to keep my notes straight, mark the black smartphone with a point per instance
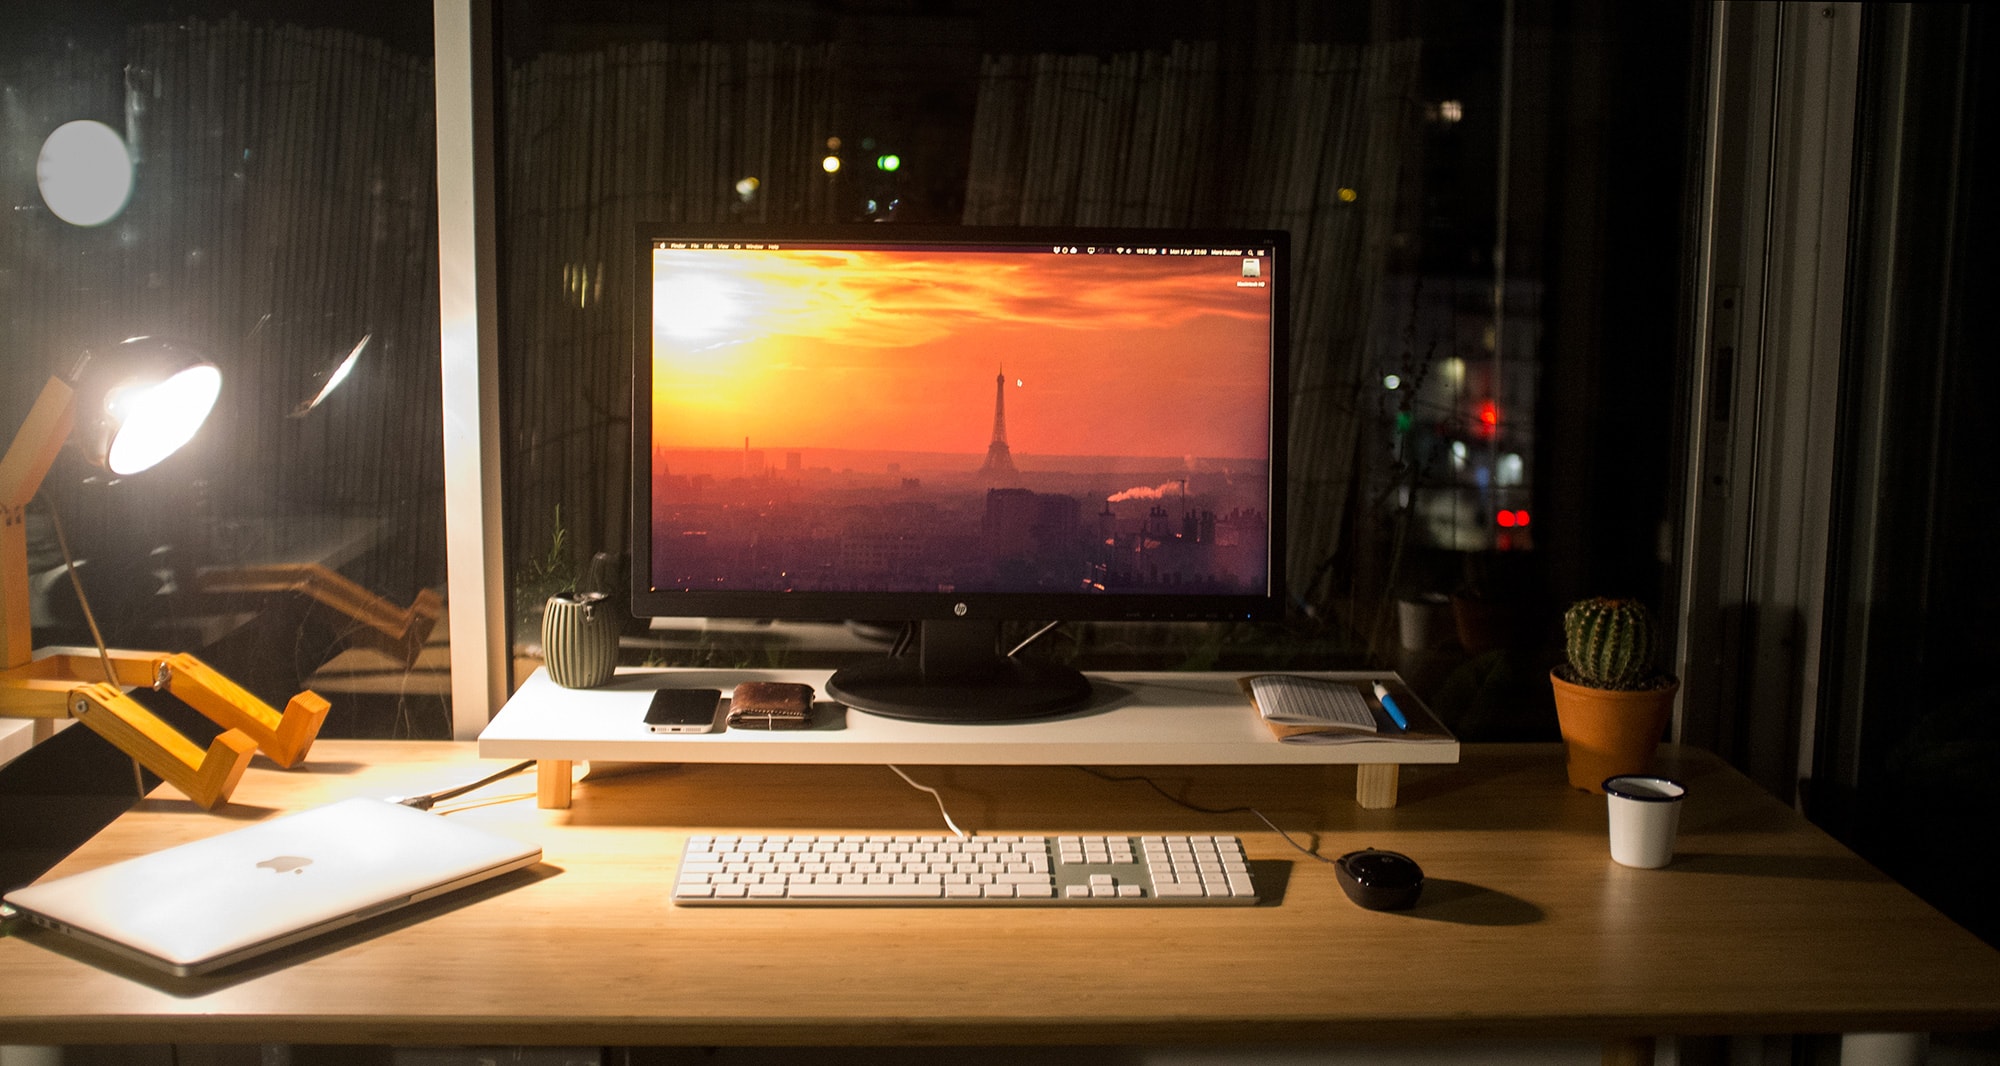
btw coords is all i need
(684, 710)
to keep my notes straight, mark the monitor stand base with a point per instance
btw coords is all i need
(957, 675)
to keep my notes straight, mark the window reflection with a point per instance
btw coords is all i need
(257, 184)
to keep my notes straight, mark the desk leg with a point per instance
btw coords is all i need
(1375, 784)
(1628, 1051)
(552, 783)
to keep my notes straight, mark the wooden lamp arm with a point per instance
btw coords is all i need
(284, 737)
(22, 468)
(207, 778)
(56, 686)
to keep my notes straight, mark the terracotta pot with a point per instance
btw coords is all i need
(1610, 732)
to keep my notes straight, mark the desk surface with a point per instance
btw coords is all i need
(1763, 923)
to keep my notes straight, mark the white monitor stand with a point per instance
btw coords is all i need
(1162, 718)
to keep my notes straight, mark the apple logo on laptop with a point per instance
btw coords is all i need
(286, 864)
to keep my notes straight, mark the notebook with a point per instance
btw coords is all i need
(217, 901)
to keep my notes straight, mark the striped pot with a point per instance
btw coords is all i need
(579, 640)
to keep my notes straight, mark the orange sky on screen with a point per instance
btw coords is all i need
(898, 350)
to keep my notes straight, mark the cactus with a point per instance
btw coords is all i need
(1610, 643)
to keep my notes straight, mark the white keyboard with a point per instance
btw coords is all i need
(945, 870)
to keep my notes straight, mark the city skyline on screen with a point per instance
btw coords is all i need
(942, 420)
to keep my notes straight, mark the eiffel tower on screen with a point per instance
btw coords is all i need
(999, 459)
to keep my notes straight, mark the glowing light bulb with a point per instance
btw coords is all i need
(156, 419)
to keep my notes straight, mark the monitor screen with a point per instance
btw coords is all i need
(963, 424)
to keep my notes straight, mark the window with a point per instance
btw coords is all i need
(1494, 426)
(267, 173)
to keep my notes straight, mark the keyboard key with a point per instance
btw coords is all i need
(849, 891)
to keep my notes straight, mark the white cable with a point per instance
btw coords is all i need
(1033, 637)
(934, 795)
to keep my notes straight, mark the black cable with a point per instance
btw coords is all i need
(1199, 809)
(431, 799)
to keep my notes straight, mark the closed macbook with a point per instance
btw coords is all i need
(207, 904)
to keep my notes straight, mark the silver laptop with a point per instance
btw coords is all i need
(206, 904)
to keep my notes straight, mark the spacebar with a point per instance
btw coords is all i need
(840, 891)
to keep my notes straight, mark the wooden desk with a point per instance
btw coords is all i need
(1527, 929)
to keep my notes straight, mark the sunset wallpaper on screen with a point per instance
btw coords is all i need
(880, 418)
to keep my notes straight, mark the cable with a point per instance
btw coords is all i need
(430, 799)
(89, 618)
(1199, 809)
(1035, 636)
(962, 834)
(97, 635)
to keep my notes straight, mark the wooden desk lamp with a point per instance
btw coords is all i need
(128, 436)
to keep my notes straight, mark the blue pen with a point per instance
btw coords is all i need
(1389, 704)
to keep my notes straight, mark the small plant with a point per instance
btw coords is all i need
(1610, 644)
(545, 575)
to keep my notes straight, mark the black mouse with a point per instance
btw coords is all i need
(1380, 880)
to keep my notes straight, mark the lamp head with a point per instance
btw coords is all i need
(140, 400)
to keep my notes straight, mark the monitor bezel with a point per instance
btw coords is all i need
(912, 606)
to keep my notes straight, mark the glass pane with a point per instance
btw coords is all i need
(255, 186)
(1911, 725)
(1387, 142)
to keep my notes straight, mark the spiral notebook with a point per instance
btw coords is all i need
(224, 899)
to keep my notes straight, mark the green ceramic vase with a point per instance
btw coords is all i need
(580, 639)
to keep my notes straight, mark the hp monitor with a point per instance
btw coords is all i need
(959, 427)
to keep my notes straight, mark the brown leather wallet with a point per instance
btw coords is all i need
(770, 705)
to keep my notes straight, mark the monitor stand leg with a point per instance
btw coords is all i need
(1375, 785)
(552, 778)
